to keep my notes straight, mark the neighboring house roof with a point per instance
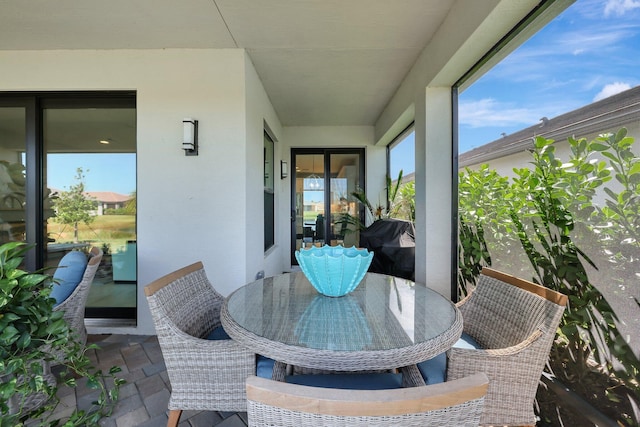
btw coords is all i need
(108, 196)
(614, 111)
(101, 196)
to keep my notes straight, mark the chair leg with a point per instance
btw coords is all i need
(174, 417)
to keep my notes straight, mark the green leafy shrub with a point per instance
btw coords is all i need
(31, 334)
(546, 217)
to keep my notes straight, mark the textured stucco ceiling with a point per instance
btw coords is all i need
(322, 62)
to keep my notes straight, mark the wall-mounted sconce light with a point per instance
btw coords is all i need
(190, 137)
(284, 169)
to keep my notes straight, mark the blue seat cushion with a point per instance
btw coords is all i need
(467, 341)
(264, 365)
(434, 370)
(377, 381)
(68, 275)
(218, 333)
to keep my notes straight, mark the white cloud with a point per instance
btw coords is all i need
(611, 89)
(619, 7)
(488, 112)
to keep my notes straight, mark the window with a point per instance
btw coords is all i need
(402, 154)
(269, 202)
(584, 227)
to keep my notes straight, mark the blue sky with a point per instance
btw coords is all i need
(103, 172)
(589, 52)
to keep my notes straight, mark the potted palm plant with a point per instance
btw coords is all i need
(31, 333)
(391, 239)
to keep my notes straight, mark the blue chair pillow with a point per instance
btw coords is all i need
(264, 365)
(375, 381)
(434, 370)
(68, 275)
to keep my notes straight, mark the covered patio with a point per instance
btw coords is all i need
(321, 74)
(316, 74)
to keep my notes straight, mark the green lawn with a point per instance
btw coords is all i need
(310, 216)
(113, 230)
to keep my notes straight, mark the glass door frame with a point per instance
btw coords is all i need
(35, 104)
(101, 100)
(326, 153)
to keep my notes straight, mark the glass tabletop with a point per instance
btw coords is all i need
(383, 313)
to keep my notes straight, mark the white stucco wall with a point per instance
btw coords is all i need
(189, 208)
(505, 165)
(208, 207)
(260, 114)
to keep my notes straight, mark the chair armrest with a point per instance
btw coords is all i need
(494, 362)
(463, 301)
(176, 345)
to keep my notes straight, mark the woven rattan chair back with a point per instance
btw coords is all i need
(184, 299)
(515, 323)
(504, 310)
(204, 374)
(456, 403)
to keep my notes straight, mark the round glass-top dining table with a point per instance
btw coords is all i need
(385, 323)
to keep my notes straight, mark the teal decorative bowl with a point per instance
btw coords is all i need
(334, 270)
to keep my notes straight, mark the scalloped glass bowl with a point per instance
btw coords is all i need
(334, 270)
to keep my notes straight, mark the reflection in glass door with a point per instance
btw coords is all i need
(309, 199)
(322, 183)
(345, 179)
(67, 182)
(12, 174)
(90, 170)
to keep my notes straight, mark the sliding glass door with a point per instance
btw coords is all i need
(91, 174)
(322, 183)
(68, 182)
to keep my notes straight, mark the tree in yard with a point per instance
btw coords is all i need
(131, 205)
(74, 206)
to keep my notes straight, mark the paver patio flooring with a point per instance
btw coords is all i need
(143, 399)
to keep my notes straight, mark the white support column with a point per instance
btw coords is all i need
(433, 136)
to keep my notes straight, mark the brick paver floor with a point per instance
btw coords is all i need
(144, 397)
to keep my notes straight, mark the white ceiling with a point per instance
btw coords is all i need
(322, 62)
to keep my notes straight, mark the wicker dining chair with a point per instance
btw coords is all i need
(277, 404)
(74, 305)
(513, 323)
(205, 373)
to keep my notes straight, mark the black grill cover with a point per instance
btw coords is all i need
(394, 246)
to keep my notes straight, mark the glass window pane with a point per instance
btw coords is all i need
(565, 213)
(402, 155)
(309, 199)
(90, 170)
(345, 177)
(12, 174)
(269, 197)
